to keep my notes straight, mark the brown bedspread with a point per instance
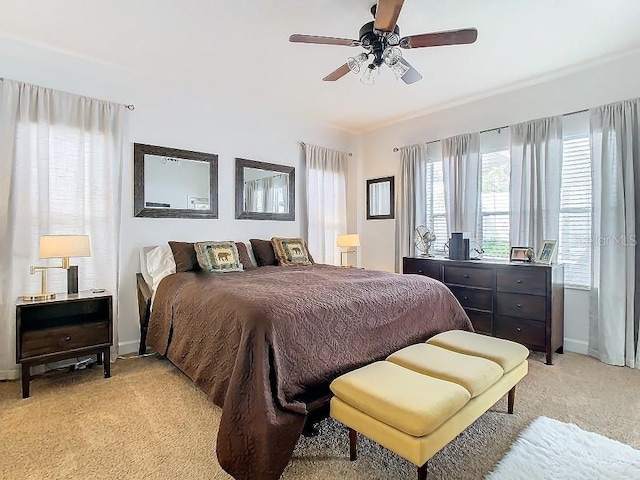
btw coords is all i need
(257, 341)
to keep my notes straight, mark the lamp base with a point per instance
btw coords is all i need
(38, 297)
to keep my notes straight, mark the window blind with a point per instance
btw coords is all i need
(493, 228)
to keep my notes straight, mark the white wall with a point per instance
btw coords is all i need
(178, 116)
(605, 82)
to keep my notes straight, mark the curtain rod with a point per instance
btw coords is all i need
(395, 149)
(129, 106)
(302, 144)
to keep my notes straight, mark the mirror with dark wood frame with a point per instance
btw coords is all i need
(380, 198)
(265, 191)
(173, 183)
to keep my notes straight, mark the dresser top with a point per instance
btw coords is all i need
(489, 262)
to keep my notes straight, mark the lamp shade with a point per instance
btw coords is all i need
(349, 240)
(64, 246)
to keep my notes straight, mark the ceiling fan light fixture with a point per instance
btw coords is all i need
(399, 69)
(355, 63)
(393, 39)
(369, 75)
(391, 55)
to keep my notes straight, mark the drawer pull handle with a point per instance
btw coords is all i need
(420, 272)
(519, 329)
(67, 338)
(466, 276)
(519, 305)
(465, 298)
(518, 281)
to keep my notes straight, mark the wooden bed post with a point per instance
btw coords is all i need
(144, 310)
(353, 444)
(511, 398)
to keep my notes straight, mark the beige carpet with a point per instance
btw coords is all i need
(148, 421)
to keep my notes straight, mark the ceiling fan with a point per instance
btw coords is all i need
(382, 42)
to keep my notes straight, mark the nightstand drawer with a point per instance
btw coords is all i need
(523, 306)
(58, 339)
(473, 297)
(519, 330)
(473, 277)
(531, 280)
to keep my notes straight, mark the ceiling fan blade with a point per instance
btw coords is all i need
(320, 40)
(387, 13)
(412, 75)
(337, 74)
(436, 39)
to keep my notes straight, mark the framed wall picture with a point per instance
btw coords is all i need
(547, 252)
(521, 254)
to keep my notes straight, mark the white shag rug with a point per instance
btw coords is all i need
(549, 449)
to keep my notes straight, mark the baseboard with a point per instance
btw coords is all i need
(132, 346)
(577, 346)
(10, 374)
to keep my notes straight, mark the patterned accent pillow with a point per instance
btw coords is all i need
(291, 251)
(220, 257)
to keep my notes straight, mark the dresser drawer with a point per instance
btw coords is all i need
(524, 306)
(531, 280)
(520, 330)
(473, 297)
(422, 267)
(482, 321)
(473, 277)
(59, 339)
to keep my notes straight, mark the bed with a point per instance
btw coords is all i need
(264, 344)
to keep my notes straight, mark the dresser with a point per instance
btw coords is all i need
(71, 325)
(523, 302)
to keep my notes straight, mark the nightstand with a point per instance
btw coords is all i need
(71, 325)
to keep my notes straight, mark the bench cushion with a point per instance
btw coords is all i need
(401, 398)
(505, 353)
(476, 374)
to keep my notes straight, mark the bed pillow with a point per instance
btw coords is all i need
(184, 255)
(243, 255)
(263, 251)
(219, 257)
(160, 263)
(291, 251)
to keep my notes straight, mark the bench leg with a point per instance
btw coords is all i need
(511, 398)
(422, 472)
(353, 444)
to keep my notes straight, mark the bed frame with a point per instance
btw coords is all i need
(317, 404)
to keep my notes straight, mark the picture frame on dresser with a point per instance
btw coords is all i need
(547, 252)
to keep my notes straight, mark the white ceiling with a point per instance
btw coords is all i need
(240, 48)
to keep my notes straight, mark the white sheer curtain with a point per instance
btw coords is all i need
(268, 194)
(536, 172)
(461, 168)
(411, 200)
(60, 158)
(615, 293)
(326, 182)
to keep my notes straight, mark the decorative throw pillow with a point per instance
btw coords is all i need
(220, 257)
(263, 251)
(185, 256)
(290, 251)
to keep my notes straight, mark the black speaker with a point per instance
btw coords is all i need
(456, 246)
(72, 279)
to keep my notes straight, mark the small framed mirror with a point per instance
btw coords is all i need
(380, 198)
(265, 191)
(172, 183)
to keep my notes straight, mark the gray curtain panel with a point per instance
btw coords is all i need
(615, 292)
(411, 207)
(536, 172)
(461, 168)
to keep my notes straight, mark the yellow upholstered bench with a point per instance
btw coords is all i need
(423, 396)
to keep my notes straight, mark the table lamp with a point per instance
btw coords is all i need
(347, 241)
(59, 246)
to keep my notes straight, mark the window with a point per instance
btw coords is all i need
(436, 218)
(493, 223)
(574, 248)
